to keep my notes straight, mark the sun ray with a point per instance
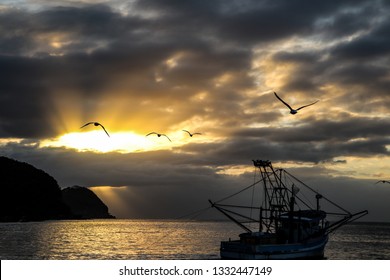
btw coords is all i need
(113, 197)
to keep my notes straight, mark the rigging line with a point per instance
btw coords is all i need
(248, 187)
(331, 202)
(197, 215)
(194, 212)
(307, 202)
(249, 219)
(288, 181)
(239, 206)
(253, 192)
(311, 206)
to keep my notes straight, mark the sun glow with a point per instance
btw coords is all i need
(115, 198)
(122, 142)
(98, 141)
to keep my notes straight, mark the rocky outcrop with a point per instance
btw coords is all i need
(85, 204)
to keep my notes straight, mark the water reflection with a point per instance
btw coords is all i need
(162, 239)
(113, 239)
(362, 241)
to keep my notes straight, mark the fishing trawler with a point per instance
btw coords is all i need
(284, 223)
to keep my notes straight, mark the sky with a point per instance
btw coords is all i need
(204, 66)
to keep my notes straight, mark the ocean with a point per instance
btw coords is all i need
(122, 239)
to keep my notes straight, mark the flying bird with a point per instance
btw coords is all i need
(191, 134)
(383, 181)
(293, 111)
(96, 124)
(158, 134)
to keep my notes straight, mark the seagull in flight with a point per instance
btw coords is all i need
(96, 124)
(191, 134)
(383, 181)
(158, 134)
(293, 111)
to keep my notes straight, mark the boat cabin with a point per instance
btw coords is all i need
(300, 225)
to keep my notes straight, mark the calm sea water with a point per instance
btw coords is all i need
(162, 239)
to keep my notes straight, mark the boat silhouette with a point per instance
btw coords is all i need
(283, 223)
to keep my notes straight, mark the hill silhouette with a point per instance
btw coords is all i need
(85, 204)
(30, 194)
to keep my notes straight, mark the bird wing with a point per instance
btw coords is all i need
(187, 131)
(87, 124)
(151, 133)
(167, 137)
(104, 130)
(283, 101)
(307, 105)
(383, 181)
(196, 133)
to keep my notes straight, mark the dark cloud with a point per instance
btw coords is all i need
(102, 48)
(249, 22)
(350, 20)
(322, 130)
(368, 46)
(83, 28)
(92, 21)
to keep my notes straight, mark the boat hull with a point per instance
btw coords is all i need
(313, 249)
